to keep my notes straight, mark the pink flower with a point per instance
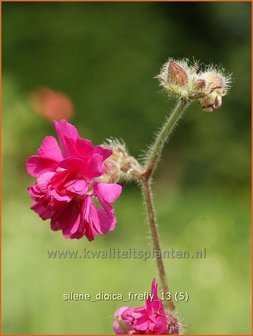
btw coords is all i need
(68, 190)
(151, 319)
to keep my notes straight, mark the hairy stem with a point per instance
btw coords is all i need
(147, 194)
(154, 153)
(152, 159)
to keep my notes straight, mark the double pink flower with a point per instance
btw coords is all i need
(68, 189)
(151, 319)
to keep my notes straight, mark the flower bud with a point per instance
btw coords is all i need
(174, 325)
(211, 102)
(200, 84)
(174, 77)
(176, 74)
(214, 81)
(120, 165)
(183, 80)
(216, 86)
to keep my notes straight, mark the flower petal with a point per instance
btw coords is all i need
(105, 152)
(73, 228)
(101, 220)
(95, 166)
(44, 179)
(37, 165)
(67, 219)
(79, 187)
(65, 130)
(73, 165)
(49, 149)
(108, 191)
(84, 148)
(43, 211)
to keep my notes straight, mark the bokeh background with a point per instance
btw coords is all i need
(104, 58)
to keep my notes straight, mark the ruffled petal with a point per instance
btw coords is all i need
(49, 149)
(37, 165)
(58, 197)
(73, 225)
(117, 329)
(160, 326)
(141, 326)
(108, 191)
(101, 220)
(120, 311)
(89, 230)
(73, 165)
(123, 322)
(104, 152)
(66, 218)
(89, 169)
(95, 166)
(79, 187)
(43, 211)
(65, 130)
(43, 180)
(84, 148)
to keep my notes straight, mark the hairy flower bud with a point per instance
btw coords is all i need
(181, 79)
(214, 81)
(174, 77)
(174, 325)
(216, 86)
(200, 84)
(120, 165)
(176, 74)
(211, 102)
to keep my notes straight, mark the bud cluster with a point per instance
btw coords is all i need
(186, 82)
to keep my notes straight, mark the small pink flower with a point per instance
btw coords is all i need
(151, 319)
(68, 189)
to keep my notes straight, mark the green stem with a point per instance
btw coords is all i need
(154, 153)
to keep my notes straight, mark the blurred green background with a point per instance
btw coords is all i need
(104, 57)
